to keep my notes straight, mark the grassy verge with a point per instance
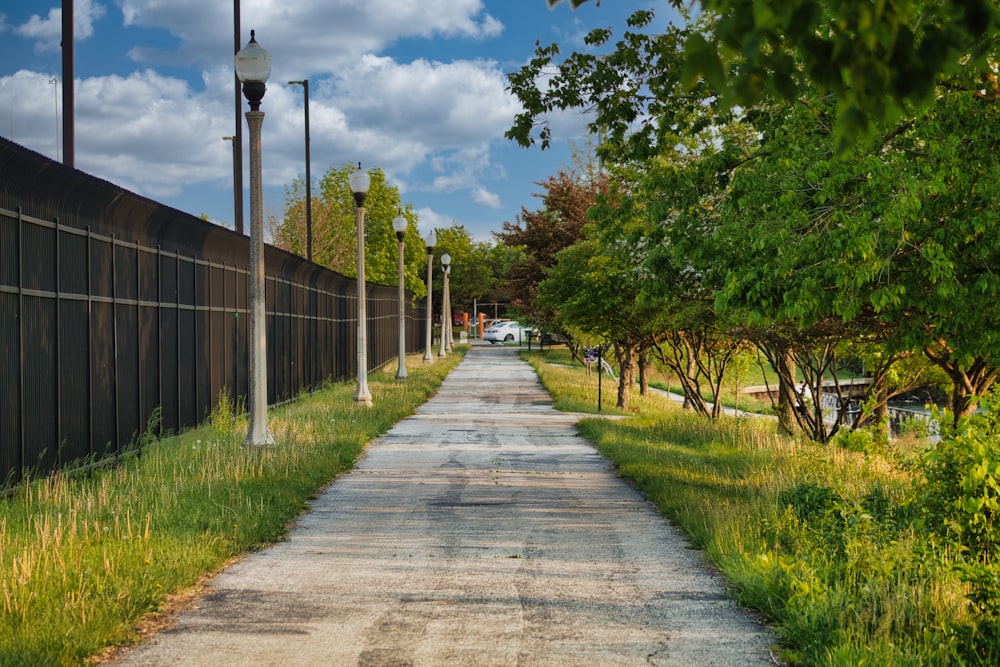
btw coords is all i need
(83, 558)
(829, 544)
(575, 391)
(729, 399)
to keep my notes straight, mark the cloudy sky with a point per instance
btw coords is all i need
(415, 87)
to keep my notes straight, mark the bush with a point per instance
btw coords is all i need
(961, 493)
(862, 440)
(961, 503)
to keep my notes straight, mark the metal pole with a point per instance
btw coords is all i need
(600, 370)
(401, 371)
(236, 169)
(68, 73)
(238, 142)
(259, 433)
(55, 98)
(309, 228)
(362, 395)
(428, 333)
(309, 234)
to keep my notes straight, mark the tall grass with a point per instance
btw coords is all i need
(828, 544)
(84, 557)
(574, 390)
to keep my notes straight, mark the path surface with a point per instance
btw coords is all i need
(480, 531)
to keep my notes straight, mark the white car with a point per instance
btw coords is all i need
(505, 332)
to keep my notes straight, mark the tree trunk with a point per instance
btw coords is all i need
(627, 375)
(643, 362)
(881, 413)
(786, 392)
(969, 383)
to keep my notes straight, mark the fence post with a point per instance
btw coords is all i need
(90, 348)
(20, 342)
(114, 329)
(58, 340)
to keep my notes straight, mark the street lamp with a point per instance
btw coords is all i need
(445, 308)
(447, 303)
(399, 226)
(429, 242)
(360, 182)
(253, 66)
(309, 227)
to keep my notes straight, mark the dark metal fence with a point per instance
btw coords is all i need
(112, 306)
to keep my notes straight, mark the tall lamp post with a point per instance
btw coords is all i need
(445, 310)
(447, 303)
(309, 226)
(399, 226)
(429, 242)
(253, 66)
(360, 182)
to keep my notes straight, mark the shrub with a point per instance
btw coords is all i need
(961, 503)
(961, 493)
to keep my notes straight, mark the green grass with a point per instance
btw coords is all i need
(827, 543)
(83, 558)
(575, 391)
(729, 399)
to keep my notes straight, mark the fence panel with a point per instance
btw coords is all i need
(113, 306)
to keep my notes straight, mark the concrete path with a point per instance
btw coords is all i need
(480, 531)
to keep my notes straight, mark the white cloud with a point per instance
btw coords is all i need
(318, 37)
(484, 197)
(429, 219)
(446, 104)
(151, 131)
(47, 32)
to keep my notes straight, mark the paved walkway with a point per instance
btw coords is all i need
(480, 531)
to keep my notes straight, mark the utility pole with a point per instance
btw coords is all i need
(69, 136)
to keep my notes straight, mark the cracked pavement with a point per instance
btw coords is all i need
(480, 531)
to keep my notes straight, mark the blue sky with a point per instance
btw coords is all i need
(415, 87)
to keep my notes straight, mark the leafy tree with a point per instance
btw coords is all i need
(894, 242)
(473, 267)
(902, 236)
(335, 229)
(877, 58)
(539, 235)
(634, 91)
(593, 291)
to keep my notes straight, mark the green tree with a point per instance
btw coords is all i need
(335, 229)
(473, 268)
(894, 242)
(539, 235)
(878, 58)
(593, 286)
(902, 235)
